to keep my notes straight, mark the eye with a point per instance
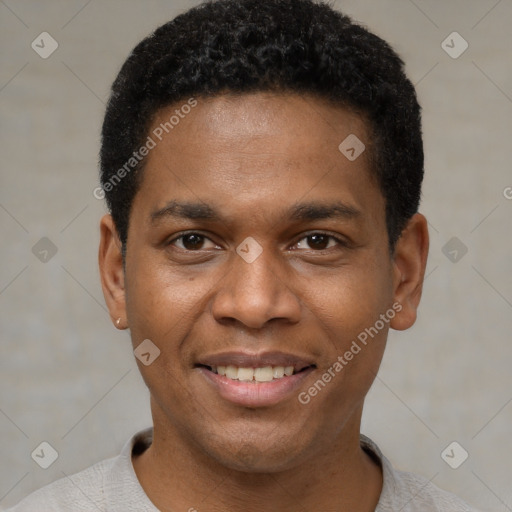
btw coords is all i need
(192, 242)
(319, 241)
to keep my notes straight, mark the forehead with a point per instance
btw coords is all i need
(258, 151)
(299, 123)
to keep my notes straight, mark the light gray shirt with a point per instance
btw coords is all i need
(112, 486)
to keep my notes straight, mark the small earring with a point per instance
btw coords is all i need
(118, 322)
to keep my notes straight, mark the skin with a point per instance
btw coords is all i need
(252, 158)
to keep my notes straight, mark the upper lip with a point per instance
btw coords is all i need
(260, 360)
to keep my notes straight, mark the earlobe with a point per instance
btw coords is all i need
(409, 263)
(110, 260)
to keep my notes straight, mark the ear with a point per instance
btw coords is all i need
(112, 271)
(409, 263)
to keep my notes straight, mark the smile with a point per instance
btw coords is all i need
(262, 374)
(255, 380)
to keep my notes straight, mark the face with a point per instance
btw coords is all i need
(257, 255)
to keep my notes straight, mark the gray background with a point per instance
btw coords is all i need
(68, 377)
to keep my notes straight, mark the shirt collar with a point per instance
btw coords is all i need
(128, 495)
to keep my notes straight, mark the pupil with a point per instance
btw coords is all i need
(314, 239)
(192, 241)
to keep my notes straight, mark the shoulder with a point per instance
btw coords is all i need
(409, 492)
(416, 494)
(83, 491)
(108, 486)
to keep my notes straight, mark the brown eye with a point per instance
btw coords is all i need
(318, 241)
(191, 242)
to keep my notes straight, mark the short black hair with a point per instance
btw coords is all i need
(245, 46)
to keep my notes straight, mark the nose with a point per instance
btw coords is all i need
(255, 293)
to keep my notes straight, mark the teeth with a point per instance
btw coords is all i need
(264, 374)
(232, 372)
(278, 372)
(245, 374)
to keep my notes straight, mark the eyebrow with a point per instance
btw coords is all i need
(308, 211)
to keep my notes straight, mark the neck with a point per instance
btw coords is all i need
(177, 475)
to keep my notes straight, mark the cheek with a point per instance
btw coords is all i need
(351, 360)
(351, 299)
(161, 301)
(349, 311)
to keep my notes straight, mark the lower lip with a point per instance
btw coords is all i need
(256, 394)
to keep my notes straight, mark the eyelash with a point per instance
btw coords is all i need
(340, 242)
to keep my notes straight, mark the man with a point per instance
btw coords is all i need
(262, 162)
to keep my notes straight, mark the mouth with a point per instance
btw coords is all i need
(255, 380)
(259, 374)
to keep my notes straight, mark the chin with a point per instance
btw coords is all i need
(253, 459)
(252, 453)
